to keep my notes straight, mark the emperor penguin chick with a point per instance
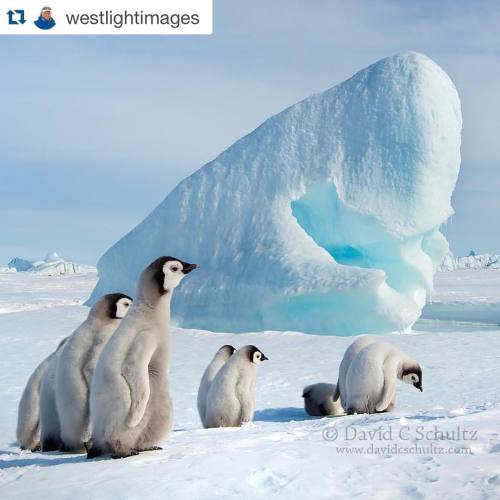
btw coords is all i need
(130, 404)
(349, 355)
(50, 426)
(28, 417)
(76, 364)
(221, 356)
(318, 400)
(230, 399)
(371, 379)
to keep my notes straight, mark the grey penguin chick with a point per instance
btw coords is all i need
(28, 416)
(318, 400)
(50, 426)
(350, 353)
(130, 405)
(230, 399)
(371, 379)
(76, 364)
(218, 361)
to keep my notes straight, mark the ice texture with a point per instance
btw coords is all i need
(325, 219)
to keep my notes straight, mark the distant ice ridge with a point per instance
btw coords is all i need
(7, 269)
(484, 261)
(325, 219)
(51, 265)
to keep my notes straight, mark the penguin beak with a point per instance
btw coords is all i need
(187, 268)
(264, 357)
(419, 386)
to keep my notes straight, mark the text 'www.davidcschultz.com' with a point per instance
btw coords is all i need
(400, 440)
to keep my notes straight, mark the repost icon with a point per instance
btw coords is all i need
(16, 16)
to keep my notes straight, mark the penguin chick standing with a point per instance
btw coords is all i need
(318, 400)
(230, 399)
(76, 364)
(371, 379)
(50, 426)
(28, 417)
(130, 404)
(221, 356)
(349, 355)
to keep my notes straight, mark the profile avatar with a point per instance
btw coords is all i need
(45, 21)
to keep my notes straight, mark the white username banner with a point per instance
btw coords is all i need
(106, 17)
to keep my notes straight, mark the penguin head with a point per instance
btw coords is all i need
(111, 306)
(413, 375)
(121, 306)
(255, 355)
(226, 351)
(164, 274)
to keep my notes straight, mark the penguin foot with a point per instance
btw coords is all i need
(51, 444)
(149, 448)
(34, 449)
(125, 454)
(74, 449)
(94, 452)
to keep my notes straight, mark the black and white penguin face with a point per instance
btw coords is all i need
(166, 273)
(413, 376)
(173, 272)
(116, 305)
(122, 307)
(257, 356)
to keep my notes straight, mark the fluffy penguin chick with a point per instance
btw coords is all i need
(50, 427)
(318, 400)
(130, 404)
(76, 364)
(28, 417)
(221, 356)
(230, 398)
(350, 353)
(371, 378)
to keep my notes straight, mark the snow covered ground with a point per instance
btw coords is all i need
(283, 453)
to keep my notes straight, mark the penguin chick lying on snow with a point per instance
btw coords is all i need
(318, 400)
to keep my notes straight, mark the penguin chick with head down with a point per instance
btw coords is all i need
(76, 364)
(28, 417)
(318, 400)
(230, 399)
(130, 404)
(371, 379)
(220, 358)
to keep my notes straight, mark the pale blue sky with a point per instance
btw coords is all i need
(97, 130)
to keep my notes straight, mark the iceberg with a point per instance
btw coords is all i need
(52, 265)
(324, 220)
(471, 261)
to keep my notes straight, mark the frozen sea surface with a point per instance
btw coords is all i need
(419, 451)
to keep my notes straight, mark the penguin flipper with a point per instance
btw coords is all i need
(336, 394)
(136, 373)
(246, 405)
(389, 390)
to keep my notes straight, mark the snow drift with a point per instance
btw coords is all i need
(325, 219)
